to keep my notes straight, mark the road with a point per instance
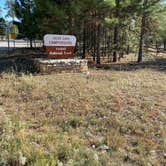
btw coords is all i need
(18, 44)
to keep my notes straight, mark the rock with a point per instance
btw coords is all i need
(103, 147)
(164, 155)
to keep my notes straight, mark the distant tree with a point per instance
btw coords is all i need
(145, 9)
(159, 23)
(102, 27)
(51, 17)
(120, 20)
(2, 26)
(25, 13)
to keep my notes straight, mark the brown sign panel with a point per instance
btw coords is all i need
(60, 51)
(60, 46)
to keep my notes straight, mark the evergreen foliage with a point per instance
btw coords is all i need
(109, 28)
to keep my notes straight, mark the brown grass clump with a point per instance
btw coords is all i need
(118, 118)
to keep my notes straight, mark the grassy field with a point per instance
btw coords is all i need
(118, 118)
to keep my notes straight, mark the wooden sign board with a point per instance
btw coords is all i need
(60, 46)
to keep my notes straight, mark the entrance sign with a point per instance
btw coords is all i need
(59, 46)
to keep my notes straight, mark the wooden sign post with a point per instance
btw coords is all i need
(60, 46)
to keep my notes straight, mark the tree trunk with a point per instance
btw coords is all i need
(70, 25)
(164, 45)
(142, 33)
(141, 44)
(98, 43)
(116, 33)
(115, 56)
(94, 43)
(105, 46)
(128, 49)
(84, 40)
(157, 47)
(31, 45)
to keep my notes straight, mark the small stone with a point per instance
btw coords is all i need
(104, 147)
(164, 155)
(96, 158)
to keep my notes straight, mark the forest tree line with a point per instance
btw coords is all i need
(104, 28)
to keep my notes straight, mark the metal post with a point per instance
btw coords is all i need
(8, 43)
(14, 44)
(8, 30)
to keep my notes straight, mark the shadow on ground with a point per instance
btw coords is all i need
(25, 64)
(158, 64)
(19, 60)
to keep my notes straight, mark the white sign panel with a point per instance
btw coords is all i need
(59, 40)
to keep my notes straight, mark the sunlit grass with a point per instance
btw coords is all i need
(115, 119)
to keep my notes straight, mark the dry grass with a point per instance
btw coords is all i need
(118, 118)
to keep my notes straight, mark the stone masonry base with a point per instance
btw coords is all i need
(45, 65)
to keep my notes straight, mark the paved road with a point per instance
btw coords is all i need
(18, 44)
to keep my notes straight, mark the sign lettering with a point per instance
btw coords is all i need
(60, 46)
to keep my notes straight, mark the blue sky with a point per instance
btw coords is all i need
(2, 6)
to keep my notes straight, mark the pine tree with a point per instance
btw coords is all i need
(146, 8)
(2, 26)
(25, 12)
(102, 27)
